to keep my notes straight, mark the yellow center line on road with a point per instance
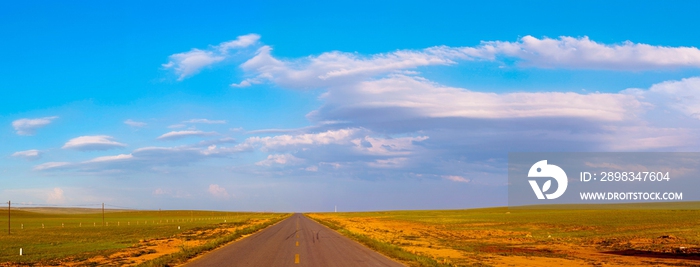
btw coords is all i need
(297, 243)
(296, 258)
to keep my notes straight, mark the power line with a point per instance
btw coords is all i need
(55, 205)
(97, 205)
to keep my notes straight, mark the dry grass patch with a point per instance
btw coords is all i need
(503, 237)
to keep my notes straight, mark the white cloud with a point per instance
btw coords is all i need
(31, 154)
(56, 196)
(335, 165)
(632, 119)
(456, 178)
(207, 143)
(242, 41)
(583, 53)
(94, 142)
(29, 126)
(387, 146)
(381, 93)
(283, 130)
(182, 134)
(311, 168)
(245, 83)
(379, 113)
(389, 163)
(146, 158)
(341, 136)
(400, 97)
(205, 121)
(376, 93)
(181, 155)
(52, 166)
(682, 96)
(218, 191)
(281, 159)
(341, 145)
(334, 69)
(111, 158)
(133, 123)
(189, 63)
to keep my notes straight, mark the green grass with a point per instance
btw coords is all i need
(51, 237)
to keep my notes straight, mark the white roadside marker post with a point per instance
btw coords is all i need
(20, 251)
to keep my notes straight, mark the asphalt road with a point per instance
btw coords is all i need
(296, 241)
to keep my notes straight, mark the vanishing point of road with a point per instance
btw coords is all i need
(296, 241)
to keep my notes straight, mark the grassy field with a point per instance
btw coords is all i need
(78, 236)
(530, 237)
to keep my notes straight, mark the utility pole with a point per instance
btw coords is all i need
(103, 214)
(9, 204)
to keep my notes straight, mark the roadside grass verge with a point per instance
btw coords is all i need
(387, 249)
(187, 253)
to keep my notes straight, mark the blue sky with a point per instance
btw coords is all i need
(303, 106)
